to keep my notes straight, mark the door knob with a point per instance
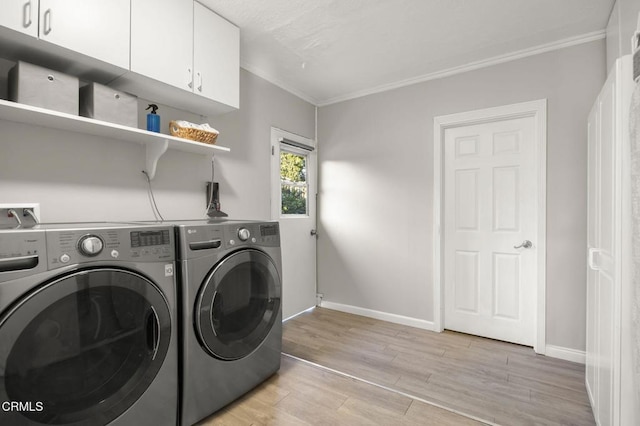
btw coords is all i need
(314, 233)
(525, 244)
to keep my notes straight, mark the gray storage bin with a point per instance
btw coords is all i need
(106, 104)
(41, 87)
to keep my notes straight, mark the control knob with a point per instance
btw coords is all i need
(243, 234)
(90, 245)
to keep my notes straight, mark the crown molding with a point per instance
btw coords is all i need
(471, 66)
(560, 44)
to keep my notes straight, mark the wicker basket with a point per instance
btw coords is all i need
(197, 135)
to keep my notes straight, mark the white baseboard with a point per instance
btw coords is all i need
(552, 351)
(384, 316)
(567, 354)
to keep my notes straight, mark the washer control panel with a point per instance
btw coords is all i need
(244, 234)
(149, 238)
(90, 245)
(73, 246)
(22, 252)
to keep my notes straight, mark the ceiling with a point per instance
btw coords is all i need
(326, 51)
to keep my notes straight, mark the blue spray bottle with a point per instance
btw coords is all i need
(153, 119)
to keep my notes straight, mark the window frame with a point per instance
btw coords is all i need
(303, 153)
(282, 140)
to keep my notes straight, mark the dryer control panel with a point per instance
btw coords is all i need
(200, 239)
(265, 234)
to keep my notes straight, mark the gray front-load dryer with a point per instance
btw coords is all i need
(88, 322)
(230, 275)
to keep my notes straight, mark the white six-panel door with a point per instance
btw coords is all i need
(490, 208)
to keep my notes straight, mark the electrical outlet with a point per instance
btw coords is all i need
(21, 216)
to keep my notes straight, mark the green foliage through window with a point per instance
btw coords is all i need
(293, 182)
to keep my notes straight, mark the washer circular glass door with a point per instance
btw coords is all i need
(238, 304)
(83, 347)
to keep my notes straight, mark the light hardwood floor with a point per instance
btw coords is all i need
(499, 382)
(495, 381)
(301, 394)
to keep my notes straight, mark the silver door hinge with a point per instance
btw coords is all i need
(273, 150)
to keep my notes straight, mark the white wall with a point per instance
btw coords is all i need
(245, 180)
(85, 178)
(376, 176)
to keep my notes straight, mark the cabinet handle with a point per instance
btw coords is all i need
(199, 81)
(190, 84)
(47, 22)
(26, 15)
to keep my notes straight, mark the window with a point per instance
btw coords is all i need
(294, 186)
(293, 176)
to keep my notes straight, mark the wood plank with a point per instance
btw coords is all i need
(252, 411)
(428, 415)
(441, 365)
(227, 418)
(367, 413)
(449, 398)
(577, 396)
(310, 412)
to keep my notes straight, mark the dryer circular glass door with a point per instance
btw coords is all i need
(84, 347)
(238, 304)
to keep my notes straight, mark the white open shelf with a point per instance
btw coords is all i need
(156, 144)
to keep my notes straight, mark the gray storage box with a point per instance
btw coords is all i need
(41, 87)
(106, 104)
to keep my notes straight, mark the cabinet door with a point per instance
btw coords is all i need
(162, 40)
(96, 28)
(603, 275)
(20, 15)
(216, 57)
(606, 259)
(593, 241)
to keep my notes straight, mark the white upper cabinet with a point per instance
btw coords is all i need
(162, 41)
(173, 52)
(20, 15)
(96, 28)
(183, 44)
(216, 57)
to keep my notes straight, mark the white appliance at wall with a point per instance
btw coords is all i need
(610, 341)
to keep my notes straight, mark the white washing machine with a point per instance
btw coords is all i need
(230, 280)
(88, 323)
